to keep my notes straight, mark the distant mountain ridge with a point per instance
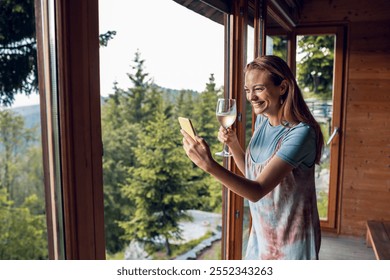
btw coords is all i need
(32, 114)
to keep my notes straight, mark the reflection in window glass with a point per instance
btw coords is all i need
(155, 67)
(248, 134)
(23, 233)
(277, 45)
(250, 51)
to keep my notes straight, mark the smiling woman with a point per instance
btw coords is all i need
(278, 165)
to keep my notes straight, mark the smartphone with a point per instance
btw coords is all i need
(186, 125)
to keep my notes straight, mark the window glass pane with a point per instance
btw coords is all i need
(23, 231)
(248, 135)
(315, 59)
(250, 46)
(250, 57)
(277, 45)
(155, 67)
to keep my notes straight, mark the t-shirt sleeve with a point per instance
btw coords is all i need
(299, 146)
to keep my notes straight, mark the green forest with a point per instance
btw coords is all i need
(148, 180)
(22, 204)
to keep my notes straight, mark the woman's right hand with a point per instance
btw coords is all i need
(227, 136)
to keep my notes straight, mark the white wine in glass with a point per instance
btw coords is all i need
(226, 113)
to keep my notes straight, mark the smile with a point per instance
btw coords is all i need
(258, 103)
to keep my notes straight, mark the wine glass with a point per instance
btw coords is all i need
(226, 113)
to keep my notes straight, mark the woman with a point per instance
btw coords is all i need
(278, 164)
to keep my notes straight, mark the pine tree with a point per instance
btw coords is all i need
(18, 58)
(22, 232)
(205, 119)
(124, 114)
(119, 136)
(14, 145)
(23, 222)
(18, 66)
(207, 126)
(160, 185)
(185, 104)
(136, 96)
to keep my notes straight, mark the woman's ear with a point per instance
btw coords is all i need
(283, 87)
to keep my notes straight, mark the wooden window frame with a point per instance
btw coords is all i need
(340, 30)
(236, 29)
(236, 59)
(55, 247)
(77, 49)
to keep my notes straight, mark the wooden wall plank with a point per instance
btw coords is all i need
(362, 91)
(369, 66)
(370, 36)
(347, 10)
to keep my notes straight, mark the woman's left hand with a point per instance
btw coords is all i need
(198, 151)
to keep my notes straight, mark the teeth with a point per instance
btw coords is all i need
(257, 103)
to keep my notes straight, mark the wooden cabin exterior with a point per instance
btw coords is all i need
(361, 182)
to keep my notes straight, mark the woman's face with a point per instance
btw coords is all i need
(262, 93)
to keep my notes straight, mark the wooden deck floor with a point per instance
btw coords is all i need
(345, 248)
(332, 248)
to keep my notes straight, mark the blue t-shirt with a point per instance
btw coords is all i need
(297, 147)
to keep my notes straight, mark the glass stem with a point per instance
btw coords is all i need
(225, 148)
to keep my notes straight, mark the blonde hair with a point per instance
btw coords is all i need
(294, 108)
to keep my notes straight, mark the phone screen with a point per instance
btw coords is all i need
(186, 125)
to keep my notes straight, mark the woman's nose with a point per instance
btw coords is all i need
(252, 95)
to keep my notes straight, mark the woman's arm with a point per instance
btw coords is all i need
(198, 151)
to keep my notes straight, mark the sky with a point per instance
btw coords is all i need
(180, 48)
